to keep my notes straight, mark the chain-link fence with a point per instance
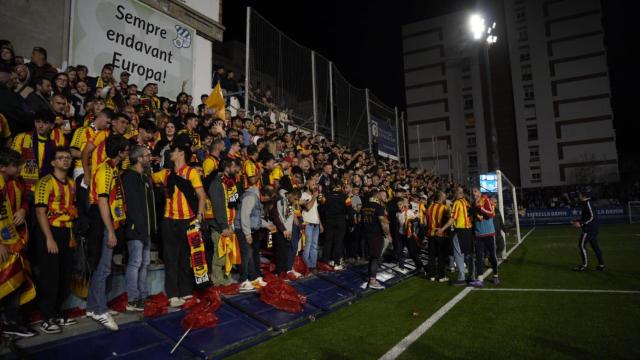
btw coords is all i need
(295, 83)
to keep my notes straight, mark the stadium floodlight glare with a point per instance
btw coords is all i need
(477, 26)
(481, 31)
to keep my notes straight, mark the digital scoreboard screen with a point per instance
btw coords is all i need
(489, 183)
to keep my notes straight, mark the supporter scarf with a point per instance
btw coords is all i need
(46, 167)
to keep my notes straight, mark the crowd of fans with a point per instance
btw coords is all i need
(95, 166)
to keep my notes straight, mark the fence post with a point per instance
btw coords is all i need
(246, 62)
(333, 130)
(405, 149)
(395, 110)
(315, 99)
(366, 94)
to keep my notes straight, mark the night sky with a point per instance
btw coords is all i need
(363, 38)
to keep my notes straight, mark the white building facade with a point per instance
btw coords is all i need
(561, 92)
(445, 115)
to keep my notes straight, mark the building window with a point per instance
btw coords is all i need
(526, 72)
(534, 153)
(535, 174)
(525, 56)
(520, 17)
(528, 92)
(523, 35)
(468, 102)
(532, 132)
(471, 141)
(469, 121)
(530, 112)
(473, 160)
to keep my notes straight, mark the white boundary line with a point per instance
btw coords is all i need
(426, 325)
(564, 290)
(400, 347)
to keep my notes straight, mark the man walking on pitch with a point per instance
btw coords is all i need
(462, 236)
(589, 224)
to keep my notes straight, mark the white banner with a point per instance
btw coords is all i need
(151, 46)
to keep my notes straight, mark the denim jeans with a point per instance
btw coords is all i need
(310, 253)
(97, 300)
(248, 256)
(293, 246)
(137, 265)
(458, 257)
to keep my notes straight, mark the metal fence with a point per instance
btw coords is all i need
(284, 75)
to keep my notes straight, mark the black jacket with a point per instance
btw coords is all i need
(335, 206)
(588, 218)
(141, 213)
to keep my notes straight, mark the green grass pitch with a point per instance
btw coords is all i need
(494, 324)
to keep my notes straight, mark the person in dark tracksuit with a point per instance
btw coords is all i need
(589, 224)
(336, 207)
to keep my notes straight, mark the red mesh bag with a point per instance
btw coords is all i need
(324, 267)
(288, 276)
(156, 305)
(75, 313)
(189, 303)
(119, 303)
(267, 276)
(232, 289)
(200, 316)
(300, 266)
(282, 296)
(201, 311)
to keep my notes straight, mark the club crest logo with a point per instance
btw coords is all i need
(183, 38)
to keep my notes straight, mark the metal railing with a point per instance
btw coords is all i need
(310, 89)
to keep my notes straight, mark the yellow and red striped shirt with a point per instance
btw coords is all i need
(79, 141)
(460, 213)
(275, 175)
(106, 182)
(177, 206)
(23, 143)
(210, 164)
(58, 197)
(250, 168)
(5, 132)
(99, 154)
(436, 217)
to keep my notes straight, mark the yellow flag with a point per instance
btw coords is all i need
(216, 101)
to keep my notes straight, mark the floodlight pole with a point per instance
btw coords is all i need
(333, 129)
(366, 94)
(315, 95)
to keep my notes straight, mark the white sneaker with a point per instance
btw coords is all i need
(260, 282)
(113, 313)
(331, 263)
(186, 297)
(105, 320)
(338, 267)
(246, 286)
(175, 302)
